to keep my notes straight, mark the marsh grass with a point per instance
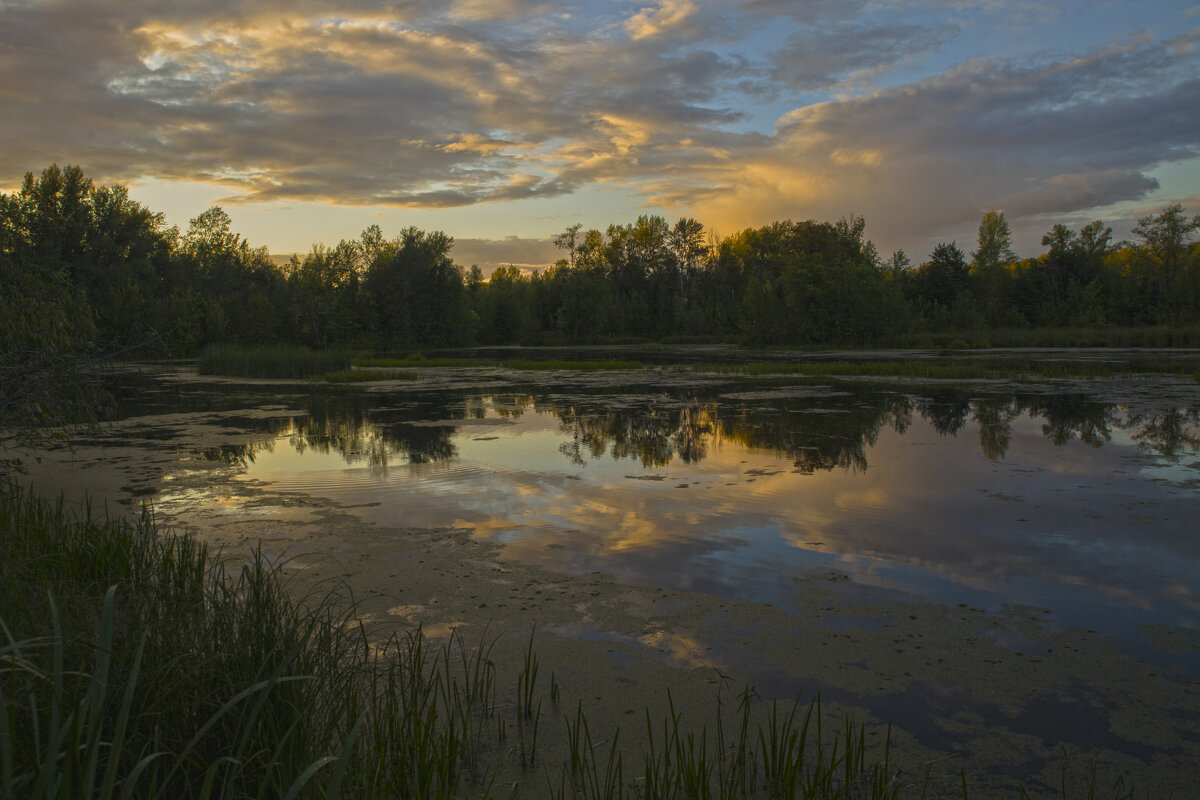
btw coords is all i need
(271, 362)
(1146, 336)
(134, 663)
(418, 360)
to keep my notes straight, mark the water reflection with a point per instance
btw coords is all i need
(815, 431)
(1170, 435)
(370, 438)
(950, 494)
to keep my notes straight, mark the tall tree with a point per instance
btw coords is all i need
(47, 349)
(994, 285)
(995, 242)
(418, 291)
(1165, 240)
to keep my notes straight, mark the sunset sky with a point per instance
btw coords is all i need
(502, 122)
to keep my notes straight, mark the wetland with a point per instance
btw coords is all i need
(1006, 572)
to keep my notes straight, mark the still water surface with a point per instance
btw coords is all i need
(1081, 498)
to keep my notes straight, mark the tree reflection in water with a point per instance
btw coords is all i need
(818, 437)
(816, 433)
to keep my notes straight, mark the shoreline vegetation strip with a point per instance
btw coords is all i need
(344, 367)
(134, 662)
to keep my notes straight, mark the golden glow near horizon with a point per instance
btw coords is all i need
(503, 123)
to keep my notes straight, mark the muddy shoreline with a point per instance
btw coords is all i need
(1001, 696)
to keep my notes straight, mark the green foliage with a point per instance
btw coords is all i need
(1110, 336)
(995, 242)
(788, 282)
(1171, 263)
(327, 294)
(272, 362)
(417, 291)
(135, 665)
(49, 375)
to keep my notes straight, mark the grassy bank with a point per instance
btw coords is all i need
(1147, 336)
(271, 362)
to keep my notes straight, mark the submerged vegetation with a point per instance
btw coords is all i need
(934, 370)
(276, 362)
(578, 366)
(339, 367)
(365, 375)
(418, 360)
(134, 663)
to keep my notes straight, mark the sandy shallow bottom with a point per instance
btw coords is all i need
(1004, 697)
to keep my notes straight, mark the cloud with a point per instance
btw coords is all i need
(926, 160)
(411, 105)
(323, 104)
(807, 12)
(494, 10)
(819, 58)
(656, 20)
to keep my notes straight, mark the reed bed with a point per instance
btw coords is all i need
(134, 663)
(419, 360)
(271, 362)
(1143, 336)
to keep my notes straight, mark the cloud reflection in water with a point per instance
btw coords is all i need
(1049, 501)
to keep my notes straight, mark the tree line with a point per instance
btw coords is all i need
(83, 263)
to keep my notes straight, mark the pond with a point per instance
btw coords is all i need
(1051, 517)
(985, 494)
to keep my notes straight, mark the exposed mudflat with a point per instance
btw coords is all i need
(1002, 695)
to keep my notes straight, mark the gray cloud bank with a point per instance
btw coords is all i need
(416, 104)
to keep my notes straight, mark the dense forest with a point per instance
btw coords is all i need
(84, 265)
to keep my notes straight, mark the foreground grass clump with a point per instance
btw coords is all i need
(271, 362)
(134, 664)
